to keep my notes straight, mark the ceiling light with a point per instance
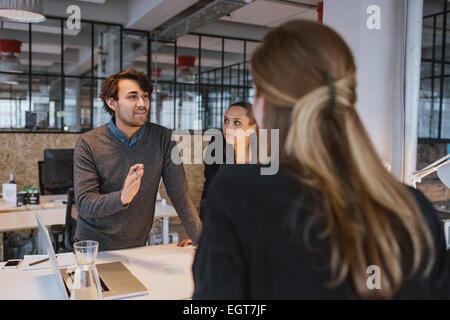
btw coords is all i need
(9, 50)
(186, 66)
(22, 10)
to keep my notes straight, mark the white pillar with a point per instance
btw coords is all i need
(385, 37)
(412, 85)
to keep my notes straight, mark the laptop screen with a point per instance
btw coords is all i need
(51, 255)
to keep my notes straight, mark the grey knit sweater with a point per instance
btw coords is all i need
(101, 164)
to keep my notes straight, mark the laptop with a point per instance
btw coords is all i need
(116, 280)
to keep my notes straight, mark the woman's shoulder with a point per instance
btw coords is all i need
(254, 173)
(247, 170)
(249, 182)
(429, 212)
(424, 203)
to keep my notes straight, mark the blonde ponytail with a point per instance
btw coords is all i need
(370, 217)
(361, 198)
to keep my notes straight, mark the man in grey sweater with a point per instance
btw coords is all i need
(118, 166)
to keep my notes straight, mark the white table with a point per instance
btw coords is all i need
(154, 266)
(55, 214)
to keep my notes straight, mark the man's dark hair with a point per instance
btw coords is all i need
(110, 87)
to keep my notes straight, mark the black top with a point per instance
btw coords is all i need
(253, 243)
(211, 169)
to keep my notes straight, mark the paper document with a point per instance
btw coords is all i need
(64, 260)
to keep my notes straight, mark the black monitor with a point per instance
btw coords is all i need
(58, 169)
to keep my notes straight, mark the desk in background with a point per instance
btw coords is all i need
(14, 218)
(166, 271)
(45, 202)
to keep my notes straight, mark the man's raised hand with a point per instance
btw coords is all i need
(132, 183)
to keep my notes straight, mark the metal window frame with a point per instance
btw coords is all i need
(441, 89)
(202, 109)
(441, 77)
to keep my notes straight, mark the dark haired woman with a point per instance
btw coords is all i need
(238, 127)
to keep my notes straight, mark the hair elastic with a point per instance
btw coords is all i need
(332, 90)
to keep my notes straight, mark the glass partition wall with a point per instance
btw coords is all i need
(196, 78)
(50, 76)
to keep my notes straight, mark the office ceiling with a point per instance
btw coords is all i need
(247, 20)
(239, 19)
(270, 13)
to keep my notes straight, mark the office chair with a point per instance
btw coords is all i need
(62, 236)
(55, 231)
(44, 188)
(71, 221)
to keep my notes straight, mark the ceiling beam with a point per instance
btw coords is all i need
(233, 30)
(149, 14)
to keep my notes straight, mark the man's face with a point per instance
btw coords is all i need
(132, 106)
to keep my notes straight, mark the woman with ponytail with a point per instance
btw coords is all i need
(333, 223)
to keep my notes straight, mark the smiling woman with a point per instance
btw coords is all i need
(238, 125)
(238, 129)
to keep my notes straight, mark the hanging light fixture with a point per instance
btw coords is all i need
(22, 10)
(186, 66)
(320, 12)
(9, 62)
(9, 50)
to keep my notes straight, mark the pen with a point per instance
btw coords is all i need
(39, 261)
